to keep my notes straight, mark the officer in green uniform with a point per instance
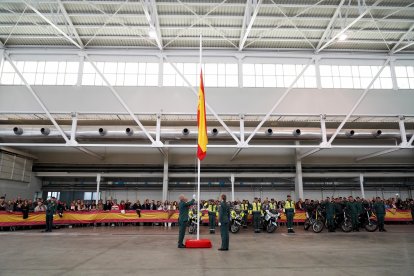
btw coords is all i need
(360, 209)
(352, 209)
(330, 214)
(290, 213)
(412, 209)
(379, 209)
(183, 207)
(224, 218)
(50, 212)
(212, 210)
(257, 213)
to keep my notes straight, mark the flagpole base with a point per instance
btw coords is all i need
(202, 243)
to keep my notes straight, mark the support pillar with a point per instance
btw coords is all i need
(298, 178)
(361, 182)
(232, 186)
(98, 184)
(165, 175)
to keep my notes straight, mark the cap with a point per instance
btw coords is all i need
(288, 196)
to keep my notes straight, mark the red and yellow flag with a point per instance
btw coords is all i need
(201, 121)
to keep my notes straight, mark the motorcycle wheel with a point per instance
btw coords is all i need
(190, 230)
(346, 226)
(318, 226)
(371, 226)
(306, 225)
(234, 228)
(270, 228)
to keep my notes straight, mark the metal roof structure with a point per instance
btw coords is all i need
(312, 25)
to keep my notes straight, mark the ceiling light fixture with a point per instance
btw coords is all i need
(152, 33)
(343, 37)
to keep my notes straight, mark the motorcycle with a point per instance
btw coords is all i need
(269, 221)
(316, 220)
(366, 220)
(344, 222)
(236, 220)
(192, 223)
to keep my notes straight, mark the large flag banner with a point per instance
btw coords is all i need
(201, 121)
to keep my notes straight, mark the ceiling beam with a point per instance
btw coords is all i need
(394, 49)
(348, 26)
(250, 14)
(53, 25)
(65, 14)
(151, 14)
(331, 22)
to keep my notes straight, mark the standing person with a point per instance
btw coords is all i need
(352, 208)
(50, 212)
(183, 207)
(379, 209)
(256, 210)
(212, 210)
(224, 218)
(330, 214)
(25, 209)
(245, 210)
(412, 209)
(289, 210)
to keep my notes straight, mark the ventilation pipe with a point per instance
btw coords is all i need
(18, 130)
(186, 131)
(269, 131)
(377, 133)
(45, 131)
(129, 131)
(297, 132)
(102, 131)
(349, 133)
(214, 132)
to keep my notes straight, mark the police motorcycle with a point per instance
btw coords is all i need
(192, 221)
(367, 220)
(269, 220)
(236, 220)
(344, 221)
(315, 220)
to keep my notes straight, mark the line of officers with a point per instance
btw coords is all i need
(333, 208)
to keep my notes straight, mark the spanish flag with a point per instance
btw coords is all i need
(201, 121)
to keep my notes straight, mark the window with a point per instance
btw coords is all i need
(354, 77)
(121, 74)
(90, 196)
(405, 77)
(53, 194)
(278, 75)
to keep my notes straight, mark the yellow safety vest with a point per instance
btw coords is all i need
(245, 207)
(290, 205)
(271, 206)
(257, 206)
(212, 208)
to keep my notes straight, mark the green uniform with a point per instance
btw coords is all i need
(224, 218)
(412, 211)
(183, 220)
(330, 214)
(360, 209)
(212, 210)
(353, 211)
(50, 211)
(290, 213)
(257, 213)
(379, 209)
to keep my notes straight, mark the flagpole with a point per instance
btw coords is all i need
(198, 163)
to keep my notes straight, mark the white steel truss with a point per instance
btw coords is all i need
(250, 14)
(150, 10)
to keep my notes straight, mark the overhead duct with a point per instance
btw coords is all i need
(297, 132)
(350, 133)
(102, 131)
(18, 130)
(129, 131)
(45, 131)
(214, 132)
(377, 133)
(269, 131)
(186, 131)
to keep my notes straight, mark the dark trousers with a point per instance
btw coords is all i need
(224, 231)
(354, 220)
(245, 217)
(412, 215)
(212, 220)
(289, 218)
(330, 222)
(49, 223)
(181, 232)
(256, 221)
(380, 221)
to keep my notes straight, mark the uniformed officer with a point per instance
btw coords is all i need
(330, 214)
(360, 209)
(257, 213)
(212, 210)
(224, 219)
(289, 210)
(412, 209)
(352, 209)
(183, 207)
(50, 212)
(245, 210)
(379, 209)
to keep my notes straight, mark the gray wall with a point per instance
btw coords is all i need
(26, 190)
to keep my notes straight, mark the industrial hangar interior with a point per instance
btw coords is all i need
(313, 99)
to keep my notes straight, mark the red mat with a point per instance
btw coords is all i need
(204, 243)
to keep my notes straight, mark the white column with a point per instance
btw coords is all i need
(98, 184)
(232, 186)
(298, 178)
(165, 176)
(361, 182)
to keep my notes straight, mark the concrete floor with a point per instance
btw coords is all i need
(153, 251)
